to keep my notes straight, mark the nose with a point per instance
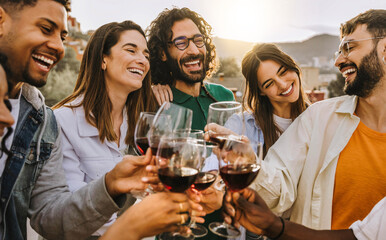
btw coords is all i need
(56, 43)
(192, 48)
(339, 60)
(281, 83)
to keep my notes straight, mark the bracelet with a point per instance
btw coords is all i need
(282, 230)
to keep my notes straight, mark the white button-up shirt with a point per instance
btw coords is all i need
(85, 157)
(299, 170)
(373, 227)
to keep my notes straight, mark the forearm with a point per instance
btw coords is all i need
(294, 231)
(56, 213)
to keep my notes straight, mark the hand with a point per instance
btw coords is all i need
(249, 210)
(152, 178)
(157, 213)
(162, 93)
(126, 175)
(211, 198)
(216, 129)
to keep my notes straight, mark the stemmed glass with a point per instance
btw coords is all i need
(220, 113)
(178, 160)
(205, 178)
(141, 132)
(238, 165)
(168, 119)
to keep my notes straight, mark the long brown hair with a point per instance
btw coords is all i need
(92, 85)
(259, 104)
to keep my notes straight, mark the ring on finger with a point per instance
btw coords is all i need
(181, 207)
(182, 219)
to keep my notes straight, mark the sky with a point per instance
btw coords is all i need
(247, 20)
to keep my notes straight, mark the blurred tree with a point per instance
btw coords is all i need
(68, 60)
(335, 88)
(59, 85)
(229, 67)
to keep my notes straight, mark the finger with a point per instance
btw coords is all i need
(150, 180)
(134, 160)
(181, 207)
(152, 169)
(196, 207)
(163, 97)
(156, 93)
(170, 92)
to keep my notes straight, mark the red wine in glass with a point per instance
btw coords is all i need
(142, 144)
(177, 179)
(238, 177)
(204, 180)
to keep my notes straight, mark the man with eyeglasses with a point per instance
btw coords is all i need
(182, 55)
(329, 167)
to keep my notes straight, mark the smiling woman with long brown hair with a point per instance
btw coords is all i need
(98, 119)
(273, 96)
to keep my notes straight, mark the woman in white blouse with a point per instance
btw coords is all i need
(98, 118)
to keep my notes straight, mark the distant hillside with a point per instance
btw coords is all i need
(303, 52)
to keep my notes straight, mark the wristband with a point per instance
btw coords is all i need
(282, 230)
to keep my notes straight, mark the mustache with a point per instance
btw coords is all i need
(192, 58)
(343, 65)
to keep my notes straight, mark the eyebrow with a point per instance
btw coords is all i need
(262, 85)
(135, 46)
(55, 25)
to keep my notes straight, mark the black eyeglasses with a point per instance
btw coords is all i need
(183, 42)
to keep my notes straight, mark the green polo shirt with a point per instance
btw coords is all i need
(200, 105)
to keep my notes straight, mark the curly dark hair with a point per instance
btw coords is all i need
(11, 5)
(159, 34)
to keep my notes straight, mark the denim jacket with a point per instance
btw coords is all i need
(33, 183)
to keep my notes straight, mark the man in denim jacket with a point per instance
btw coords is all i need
(32, 182)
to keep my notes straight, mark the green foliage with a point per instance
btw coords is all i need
(59, 85)
(335, 88)
(229, 67)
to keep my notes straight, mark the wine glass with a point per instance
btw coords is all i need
(205, 178)
(169, 118)
(141, 132)
(220, 113)
(238, 167)
(178, 160)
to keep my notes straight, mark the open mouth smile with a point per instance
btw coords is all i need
(43, 61)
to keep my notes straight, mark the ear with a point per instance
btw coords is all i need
(3, 16)
(163, 56)
(104, 65)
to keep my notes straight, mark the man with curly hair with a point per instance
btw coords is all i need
(182, 55)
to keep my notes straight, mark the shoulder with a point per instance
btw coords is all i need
(344, 104)
(219, 92)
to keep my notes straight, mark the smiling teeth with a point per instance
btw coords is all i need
(288, 91)
(43, 59)
(194, 62)
(134, 70)
(351, 70)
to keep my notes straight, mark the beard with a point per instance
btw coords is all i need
(369, 74)
(37, 82)
(189, 78)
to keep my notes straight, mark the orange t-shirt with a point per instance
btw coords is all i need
(360, 179)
